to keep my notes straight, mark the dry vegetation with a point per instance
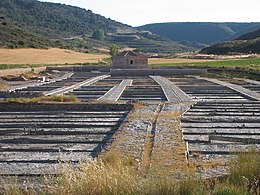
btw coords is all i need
(3, 85)
(46, 99)
(169, 149)
(47, 56)
(114, 173)
(28, 75)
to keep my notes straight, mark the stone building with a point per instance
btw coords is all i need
(129, 60)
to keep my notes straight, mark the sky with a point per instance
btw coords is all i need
(140, 12)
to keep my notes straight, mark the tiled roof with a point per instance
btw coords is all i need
(131, 53)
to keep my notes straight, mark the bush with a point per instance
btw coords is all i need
(98, 35)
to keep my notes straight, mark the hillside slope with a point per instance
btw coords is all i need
(248, 43)
(201, 32)
(250, 35)
(56, 20)
(35, 24)
(14, 36)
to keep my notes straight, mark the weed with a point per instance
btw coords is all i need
(191, 186)
(228, 190)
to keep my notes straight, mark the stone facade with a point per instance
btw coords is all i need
(129, 60)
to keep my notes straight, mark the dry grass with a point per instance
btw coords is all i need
(50, 56)
(3, 85)
(114, 173)
(139, 105)
(31, 75)
(137, 115)
(169, 149)
(27, 75)
(175, 60)
(46, 99)
(110, 174)
(146, 159)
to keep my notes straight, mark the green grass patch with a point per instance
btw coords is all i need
(245, 170)
(227, 73)
(252, 63)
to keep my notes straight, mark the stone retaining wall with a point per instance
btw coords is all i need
(82, 68)
(63, 107)
(161, 72)
(6, 94)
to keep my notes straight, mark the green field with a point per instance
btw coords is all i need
(252, 63)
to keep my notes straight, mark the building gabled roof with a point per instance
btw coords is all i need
(131, 53)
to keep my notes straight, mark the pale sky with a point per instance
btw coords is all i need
(140, 12)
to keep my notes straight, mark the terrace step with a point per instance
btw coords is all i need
(226, 149)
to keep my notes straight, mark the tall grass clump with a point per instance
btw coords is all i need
(229, 190)
(157, 181)
(192, 186)
(245, 171)
(108, 175)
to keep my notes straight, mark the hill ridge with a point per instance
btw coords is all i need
(201, 32)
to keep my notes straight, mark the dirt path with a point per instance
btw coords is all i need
(169, 149)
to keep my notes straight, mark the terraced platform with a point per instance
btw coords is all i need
(246, 83)
(34, 142)
(223, 122)
(97, 90)
(143, 89)
(224, 119)
(39, 88)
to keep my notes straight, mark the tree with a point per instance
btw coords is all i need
(113, 50)
(98, 35)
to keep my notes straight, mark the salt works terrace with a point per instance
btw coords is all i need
(220, 119)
